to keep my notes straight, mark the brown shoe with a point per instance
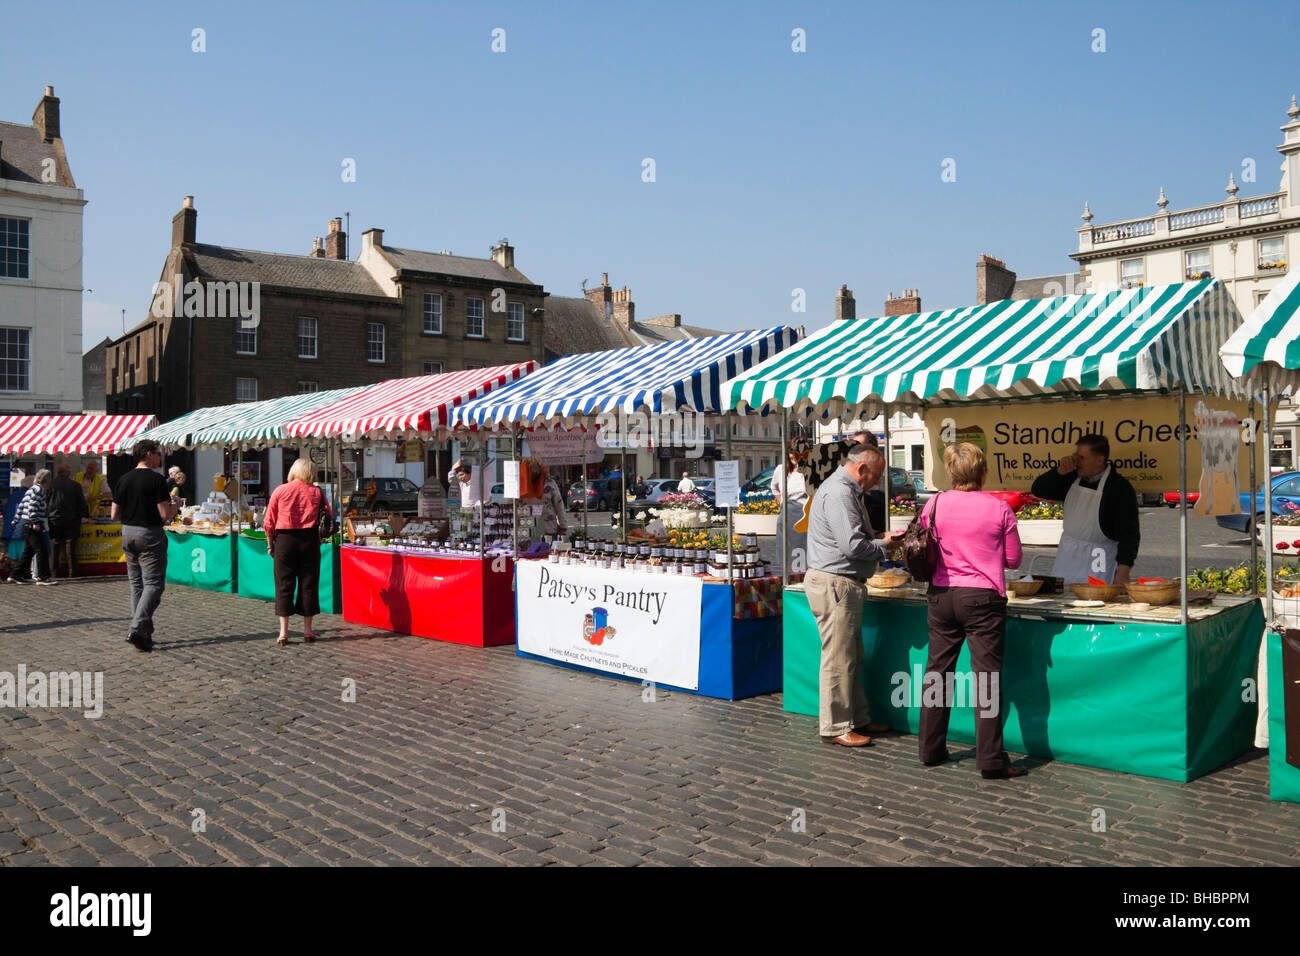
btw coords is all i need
(851, 739)
(875, 727)
(1006, 773)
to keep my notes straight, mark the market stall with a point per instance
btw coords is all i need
(263, 425)
(98, 549)
(1265, 353)
(1190, 716)
(412, 583)
(686, 609)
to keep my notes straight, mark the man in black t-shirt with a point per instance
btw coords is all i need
(141, 502)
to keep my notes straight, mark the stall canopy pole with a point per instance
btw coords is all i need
(1254, 543)
(785, 499)
(1268, 509)
(478, 493)
(622, 488)
(239, 486)
(887, 485)
(726, 423)
(586, 488)
(338, 479)
(1182, 496)
(514, 503)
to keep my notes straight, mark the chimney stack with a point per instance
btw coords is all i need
(909, 303)
(845, 306)
(503, 254)
(46, 117)
(184, 224)
(317, 248)
(336, 241)
(602, 297)
(372, 238)
(993, 280)
(624, 313)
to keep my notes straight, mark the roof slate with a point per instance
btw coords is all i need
(282, 269)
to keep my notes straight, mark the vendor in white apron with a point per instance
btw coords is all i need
(1100, 534)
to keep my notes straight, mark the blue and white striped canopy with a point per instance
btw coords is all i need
(674, 376)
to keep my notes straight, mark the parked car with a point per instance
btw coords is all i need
(658, 487)
(497, 495)
(759, 488)
(392, 495)
(1286, 491)
(923, 494)
(1171, 498)
(598, 496)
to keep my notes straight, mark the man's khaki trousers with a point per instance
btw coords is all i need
(836, 603)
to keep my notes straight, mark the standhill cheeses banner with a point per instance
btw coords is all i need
(645, 626)
(1024, 439)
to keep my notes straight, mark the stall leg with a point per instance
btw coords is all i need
(1268, 511)
(1254, 544)
(1182, 496)
(785, 499)
(482, 505)
(726, 424)
(514, 502)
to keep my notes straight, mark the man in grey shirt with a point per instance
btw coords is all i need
(843, 552)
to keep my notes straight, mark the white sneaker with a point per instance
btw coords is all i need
(46, 582)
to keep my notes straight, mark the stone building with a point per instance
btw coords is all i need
(40, 267)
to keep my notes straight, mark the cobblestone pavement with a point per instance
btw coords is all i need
(459, 755)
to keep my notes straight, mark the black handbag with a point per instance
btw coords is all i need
(921, 545)
(324, 520)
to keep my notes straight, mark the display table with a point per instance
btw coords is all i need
(98, 550)
(1283, 776)
(201, 560)
(461, 600)
(1139, 696)
(681, 633)
(255, 572)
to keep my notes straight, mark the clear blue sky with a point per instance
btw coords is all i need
(775, 170)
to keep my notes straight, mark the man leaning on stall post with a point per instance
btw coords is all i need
(843, 551)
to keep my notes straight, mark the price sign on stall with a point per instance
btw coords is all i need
(726, 483)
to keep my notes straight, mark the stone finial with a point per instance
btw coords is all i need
(1087, 213)
(1163, 201)
(1232, 186)
(1294, 111)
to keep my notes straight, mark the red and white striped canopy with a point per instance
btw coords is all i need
(68, 434)
(404, 406)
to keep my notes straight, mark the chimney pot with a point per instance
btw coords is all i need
(49, 91)
(604, 278)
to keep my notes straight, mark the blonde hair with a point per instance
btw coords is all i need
(301, 470)
(966, 466)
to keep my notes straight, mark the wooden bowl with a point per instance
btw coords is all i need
(1166, 593)
(1095, 592)
(1024, 588)
(888, 581)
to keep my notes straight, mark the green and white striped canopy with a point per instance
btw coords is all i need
(1266, 349)
(260, 424)
(1134, 340)
(250, 424)
(179, 432)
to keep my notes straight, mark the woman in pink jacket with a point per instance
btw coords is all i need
(291, 538)
(977, 540)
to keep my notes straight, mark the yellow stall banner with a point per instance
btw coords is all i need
(1022, 440)
(99, 544)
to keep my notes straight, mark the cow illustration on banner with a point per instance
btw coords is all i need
(1220, 433)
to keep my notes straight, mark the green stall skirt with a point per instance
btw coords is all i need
(1141, 697)
(204, 561)
(1283, 778)
(257, 576)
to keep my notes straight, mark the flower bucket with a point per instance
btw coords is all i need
(1044, 532)
(755, 524)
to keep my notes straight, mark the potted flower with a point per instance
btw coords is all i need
(683, 511)
(1041, 522)
(901, 512)
(757, 516)
(1286, 528)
